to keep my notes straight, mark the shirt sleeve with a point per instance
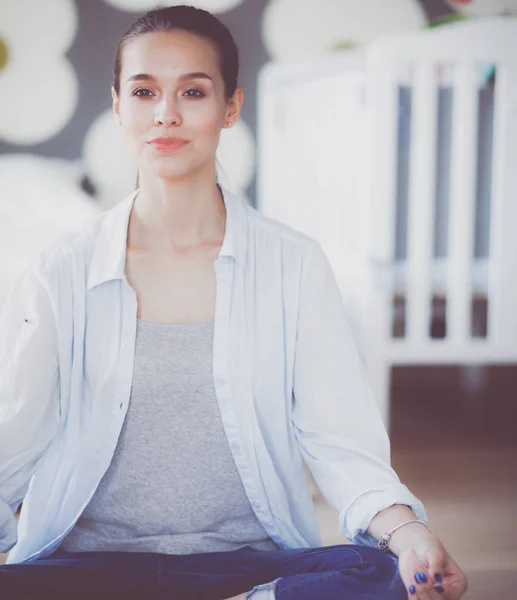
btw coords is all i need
(29, 391)
(336, 421)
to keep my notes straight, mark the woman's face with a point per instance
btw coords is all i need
(171, 87)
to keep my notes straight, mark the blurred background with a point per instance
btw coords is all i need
(386, 130)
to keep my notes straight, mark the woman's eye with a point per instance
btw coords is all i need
(197, 93)
(142, 92)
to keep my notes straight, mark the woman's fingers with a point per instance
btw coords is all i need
(418, 578)
(430, 573)
(425, 588)
(435, 570)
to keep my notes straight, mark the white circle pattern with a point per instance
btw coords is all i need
(40, 201)
(236, 157)
(107, 161)
(294, 30)
(38, 85)
(214, 6)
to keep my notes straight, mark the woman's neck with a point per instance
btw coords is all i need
(177, 216)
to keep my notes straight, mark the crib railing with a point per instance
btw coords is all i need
(486, 46)
(401, 160)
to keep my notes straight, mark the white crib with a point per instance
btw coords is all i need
(401, 159)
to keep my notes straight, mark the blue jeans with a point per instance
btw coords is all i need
(344, 572)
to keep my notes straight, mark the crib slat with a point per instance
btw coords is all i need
(382, 96)
(502, 274)
(422, 170)
(462, 201)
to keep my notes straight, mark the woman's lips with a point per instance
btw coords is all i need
(165, 144)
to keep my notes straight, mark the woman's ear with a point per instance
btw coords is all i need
(233, 109)
(116, 104)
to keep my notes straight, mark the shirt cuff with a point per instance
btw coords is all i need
(355, 519)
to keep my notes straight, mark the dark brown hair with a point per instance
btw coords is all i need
(192, 20)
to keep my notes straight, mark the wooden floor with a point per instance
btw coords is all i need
(460, 459)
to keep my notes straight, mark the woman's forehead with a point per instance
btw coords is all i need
(169, 53)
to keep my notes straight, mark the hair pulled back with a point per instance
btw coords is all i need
(191, 20)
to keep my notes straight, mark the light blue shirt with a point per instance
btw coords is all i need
(289, 383)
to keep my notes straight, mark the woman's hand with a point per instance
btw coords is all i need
(427, 557)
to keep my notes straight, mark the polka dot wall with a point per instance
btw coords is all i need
(56, 62)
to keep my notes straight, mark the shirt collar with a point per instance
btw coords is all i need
(109, 253)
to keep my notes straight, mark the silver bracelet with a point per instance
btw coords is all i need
(386, 537)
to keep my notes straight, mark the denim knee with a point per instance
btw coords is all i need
(264, 591)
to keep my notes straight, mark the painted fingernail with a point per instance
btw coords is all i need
(438, 588)
(420, 577)
(438, 577)
(412, 589)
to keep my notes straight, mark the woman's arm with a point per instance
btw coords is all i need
(336, 420)
(345, 444)
(29, 391)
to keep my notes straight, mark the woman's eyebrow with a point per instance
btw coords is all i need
(193, 75)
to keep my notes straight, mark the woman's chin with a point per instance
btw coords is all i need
(168, 173)
(175, 168)
(175, 172)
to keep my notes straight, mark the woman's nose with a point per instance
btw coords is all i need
(167, 114)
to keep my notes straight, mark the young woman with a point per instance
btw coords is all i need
(166, 369)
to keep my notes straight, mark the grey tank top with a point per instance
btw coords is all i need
(172, 486)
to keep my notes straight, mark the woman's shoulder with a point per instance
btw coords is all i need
(277, 231)
(75, 247)
(76, 241)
